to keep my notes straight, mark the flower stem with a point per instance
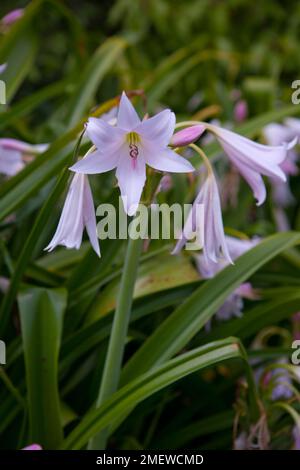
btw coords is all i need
(114, 356)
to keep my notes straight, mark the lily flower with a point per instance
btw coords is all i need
(214, 243)
(252, 159)
(78, 213)
(12, 152)
(128, 147)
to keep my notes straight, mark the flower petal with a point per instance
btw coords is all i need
(159, 129)
(11, 161)
(70, 227)
(254, 180)
(131, 176)
(103, 135)
(166, 160)
(89, 217)
(96, 162)
(128, 118)
(263, 159)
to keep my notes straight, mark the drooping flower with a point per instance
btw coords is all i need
(128, 147)
(78, 213)
(252, 159)
(214, 243)
(187, 136)
(233, 305)
(13, 151)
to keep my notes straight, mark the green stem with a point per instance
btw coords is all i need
(113, 362)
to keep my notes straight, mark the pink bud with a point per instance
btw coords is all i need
(240, 111)
(12, 16)
(187, 136)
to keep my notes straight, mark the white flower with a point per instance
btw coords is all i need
(128, 147)
(78, 213)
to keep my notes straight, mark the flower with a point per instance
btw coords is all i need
(187, 136)
(33, 447)
(252, 159)
(12, 152)
(128, 147)
(214, 243)
(78, 212)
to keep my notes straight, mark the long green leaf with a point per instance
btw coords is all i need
(175, 332)
(153, 381)
(41, 312)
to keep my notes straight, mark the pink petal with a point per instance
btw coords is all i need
(96, 162)
(105, 137)
(11, 161)
(89, 217)
(131, 176)
(255, 182)
(158, 129)
(166, 160)
(128, 118)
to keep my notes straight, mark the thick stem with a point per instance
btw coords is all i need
(113, 362)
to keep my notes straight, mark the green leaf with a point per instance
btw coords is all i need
(103, 59)
(41, 313)
(164, 272)
(186, 321)
(153, 381)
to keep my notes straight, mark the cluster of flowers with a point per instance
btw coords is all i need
(128, 144)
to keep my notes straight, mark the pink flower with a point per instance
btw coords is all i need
(214, 243)
(12, 152)
(187, 136)
(128, 147)
(253, 160)
(78, 212)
